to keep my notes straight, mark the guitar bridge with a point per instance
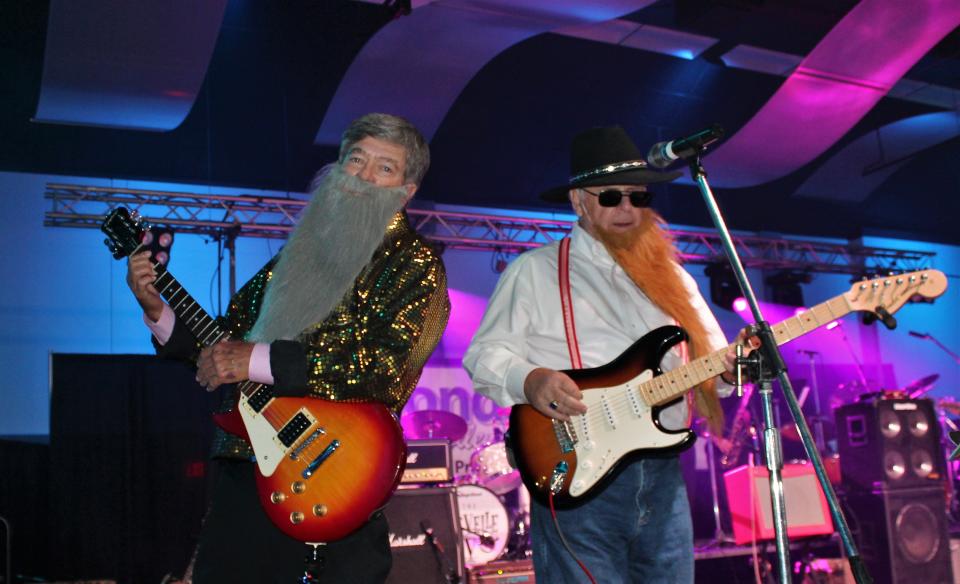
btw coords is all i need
(295, 454)
(566, 435)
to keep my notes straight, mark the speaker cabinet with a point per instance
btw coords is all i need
(889, 444)
(902, 534)
(411, 513)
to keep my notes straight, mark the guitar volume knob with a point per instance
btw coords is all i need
(320, 510)
(298, 487)
(296, 517)
(277, 497)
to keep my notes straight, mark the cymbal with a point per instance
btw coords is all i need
(949, 405)
(432, 424)
(918, 387)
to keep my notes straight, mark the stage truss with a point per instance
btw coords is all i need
(215, 216)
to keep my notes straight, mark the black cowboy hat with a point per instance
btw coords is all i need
(605, 156)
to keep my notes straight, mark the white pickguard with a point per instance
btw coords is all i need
(617, 422)
(267, 448)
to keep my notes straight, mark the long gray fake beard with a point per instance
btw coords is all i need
(336, 237)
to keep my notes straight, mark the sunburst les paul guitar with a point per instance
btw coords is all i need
(624, 397)
(323, 467)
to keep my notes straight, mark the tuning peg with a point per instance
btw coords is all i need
(114, 249)
(886, 318)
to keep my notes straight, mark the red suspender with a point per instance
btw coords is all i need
(566, 304)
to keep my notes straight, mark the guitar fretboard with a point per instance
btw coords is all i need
(673, 384)
(202, 325)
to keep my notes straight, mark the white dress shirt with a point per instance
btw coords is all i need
(523, 326)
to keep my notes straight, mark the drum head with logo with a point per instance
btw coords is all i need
(484, 522)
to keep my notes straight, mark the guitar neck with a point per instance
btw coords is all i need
(188, 311)
(675, 383)
(203, 326)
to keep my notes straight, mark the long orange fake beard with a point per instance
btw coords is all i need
(647, 254)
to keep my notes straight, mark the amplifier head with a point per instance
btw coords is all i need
(428, 461)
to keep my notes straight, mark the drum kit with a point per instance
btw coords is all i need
(494, 506)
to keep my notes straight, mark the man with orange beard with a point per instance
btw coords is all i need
(624, 280)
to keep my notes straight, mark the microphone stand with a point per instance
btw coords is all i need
(818, 421)
(930, 337)
(8, 556)
(443, 563)
(853, 355)
(719, 537)
(763, 364)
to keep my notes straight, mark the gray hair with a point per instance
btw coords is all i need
(392, 129)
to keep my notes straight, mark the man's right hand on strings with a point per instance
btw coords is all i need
(553, 394)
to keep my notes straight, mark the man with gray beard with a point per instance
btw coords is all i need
(349, 310)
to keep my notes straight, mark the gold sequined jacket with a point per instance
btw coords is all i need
(374, 344)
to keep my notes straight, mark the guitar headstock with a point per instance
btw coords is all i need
(890, 293)
(124, 232)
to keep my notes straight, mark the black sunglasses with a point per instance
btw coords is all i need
(612, 197)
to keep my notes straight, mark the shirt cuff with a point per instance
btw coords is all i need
(163, 328)
(259, 369)
(724, 389)
(516, 376)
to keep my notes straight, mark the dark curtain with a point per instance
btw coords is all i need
(129, 440)
(24, 502)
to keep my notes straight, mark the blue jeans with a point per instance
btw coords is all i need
(638, 529)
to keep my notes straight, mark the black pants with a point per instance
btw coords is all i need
(239, 544)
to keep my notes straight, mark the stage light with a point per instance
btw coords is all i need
(724, 289)
(740, 304)
(784, 287)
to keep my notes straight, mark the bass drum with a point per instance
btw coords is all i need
(484, 523)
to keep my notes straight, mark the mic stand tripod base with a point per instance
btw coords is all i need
(314, 562)
(719, 537)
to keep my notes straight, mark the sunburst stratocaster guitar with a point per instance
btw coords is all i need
(323, 467)
(625, 396)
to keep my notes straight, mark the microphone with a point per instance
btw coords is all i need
(428, 531)
(663, 154)
(918, 335)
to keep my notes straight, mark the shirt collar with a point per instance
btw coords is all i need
(583, 243)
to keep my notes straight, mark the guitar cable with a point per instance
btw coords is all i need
(563, 540)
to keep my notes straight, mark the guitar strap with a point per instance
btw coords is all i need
(569, 326)
(566, 304)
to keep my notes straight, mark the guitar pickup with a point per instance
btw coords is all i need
(260, 398)
(295, 428)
